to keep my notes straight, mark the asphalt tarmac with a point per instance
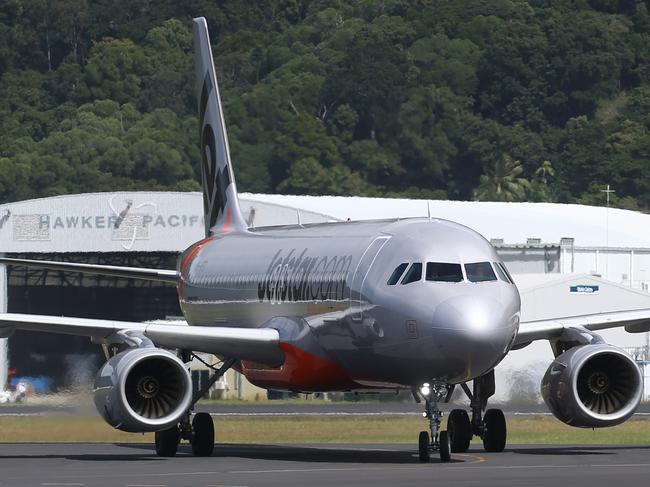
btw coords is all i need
(130, 465)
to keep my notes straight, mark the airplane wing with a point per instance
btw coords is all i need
(163, 275)
(256, 344)
(634, 321)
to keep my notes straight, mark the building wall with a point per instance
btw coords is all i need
(531, 259)
(3, 341)
(538, 292)
(627, 266)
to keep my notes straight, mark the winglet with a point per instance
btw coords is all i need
(220, 200)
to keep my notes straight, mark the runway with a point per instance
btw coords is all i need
(133, 465)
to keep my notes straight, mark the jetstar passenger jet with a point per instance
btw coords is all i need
(416, 304)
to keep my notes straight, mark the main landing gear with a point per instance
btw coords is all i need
(489, 426)
(199, 431)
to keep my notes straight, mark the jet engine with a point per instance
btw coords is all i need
(143, 389)
(592, 386)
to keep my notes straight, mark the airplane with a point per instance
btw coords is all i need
(419, 304)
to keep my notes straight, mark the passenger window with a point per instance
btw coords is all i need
(500, 272)
(480, 272)
(444, 272)
(413, 274)
(397, 273)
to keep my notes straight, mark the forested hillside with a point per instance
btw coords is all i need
(545, 100)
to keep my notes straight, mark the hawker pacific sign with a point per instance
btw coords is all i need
(113, 222)
(102, 222)
(126, 227)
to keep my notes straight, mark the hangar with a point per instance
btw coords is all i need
(538, 242)
(141, 229)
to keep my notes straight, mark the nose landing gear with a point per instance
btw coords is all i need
(439, 440)
(488, 425)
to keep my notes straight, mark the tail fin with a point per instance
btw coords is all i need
(220, 201)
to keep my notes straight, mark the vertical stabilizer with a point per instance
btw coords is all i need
(220, 201)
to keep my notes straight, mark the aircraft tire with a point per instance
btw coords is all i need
(167, 442)
(445, 447)
(424, 446)
(460, 430)
(203, 435)
(494, 439)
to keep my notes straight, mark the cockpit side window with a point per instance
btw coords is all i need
(444, 272)
(413, 274)
(501, 273)
(480, 272)
(397, 273)
(505, 269)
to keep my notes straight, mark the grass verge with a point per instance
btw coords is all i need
(528, 430)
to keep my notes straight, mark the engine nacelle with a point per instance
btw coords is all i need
(592, 386)
(143, 389)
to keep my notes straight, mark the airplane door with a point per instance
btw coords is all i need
(360, 273)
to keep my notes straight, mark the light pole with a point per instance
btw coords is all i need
(607, 191)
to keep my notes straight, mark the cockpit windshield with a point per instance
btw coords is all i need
(444, 272)
(480, 272)
(448, 272)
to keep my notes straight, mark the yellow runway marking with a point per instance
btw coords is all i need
(477, 458)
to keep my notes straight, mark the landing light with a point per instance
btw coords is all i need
(425, 390)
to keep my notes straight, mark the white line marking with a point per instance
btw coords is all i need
(9, 415)
(341, 469)
(384, 413)
(343, 414)
(482, 467)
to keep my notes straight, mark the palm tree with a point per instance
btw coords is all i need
(502, 181)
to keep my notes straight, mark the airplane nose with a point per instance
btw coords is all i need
(473, 334)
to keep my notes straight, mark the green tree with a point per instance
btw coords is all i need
(503, 181)
(540, 187)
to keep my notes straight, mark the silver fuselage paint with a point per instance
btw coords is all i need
(333, 277)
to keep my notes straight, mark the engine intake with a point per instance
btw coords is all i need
(592, 386)
(143, 389)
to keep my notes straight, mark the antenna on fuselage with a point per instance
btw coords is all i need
(299, 219)
(429, 210)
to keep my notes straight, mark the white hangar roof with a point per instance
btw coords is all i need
(121, 222)
(512, 222)
(171, 221)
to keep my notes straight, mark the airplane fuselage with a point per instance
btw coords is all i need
(342, 324)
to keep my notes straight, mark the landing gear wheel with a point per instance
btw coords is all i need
(494, 438)
(424, 446)
(460, 430)
(445, 447)
(202, 435)
(167, 442)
